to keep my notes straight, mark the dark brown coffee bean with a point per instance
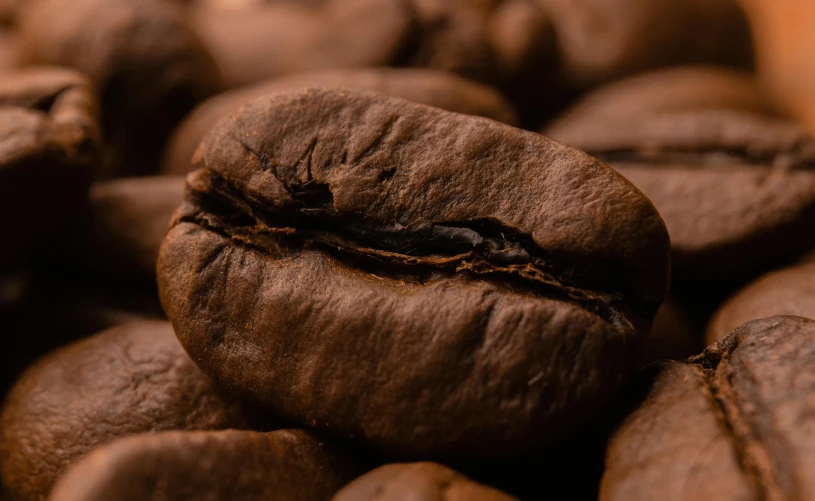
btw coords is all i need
(148, 65)
(48, 149)
(271, 39)
(54, 310)
(790, 291)
(666, 90)
(736, 422)
(417, 482)
(127, 221)
(523, 40)
(454, 36)
(383, 270)
(434, 88)
(735, 187)
(601, 40)
(210, 466)
(128, 380)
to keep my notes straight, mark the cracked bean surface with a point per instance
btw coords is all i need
(386, 271)
(734, 423)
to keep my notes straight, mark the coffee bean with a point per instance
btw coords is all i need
(434, 88)
(210, 466)
(127, 221)
(48, 149)
(602, 40)
(708, 170)
(131, 379)
(790, 291)
(148, 64)
(271, 39)
(735, 422)
(680, 88)
(417, 482)
(454, 36)
(384, 270)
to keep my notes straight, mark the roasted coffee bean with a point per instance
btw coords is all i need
(736, 188)
(53, 310)
(454, 36)
(127, 221)
(523, 41)
(601, 40)
(417, 482)
(506, 43)
(734, 423)
(149, 67)
(269, 39)
(210, 466)
(434, 88)
(671, 89)
(48, 149)
(383, 270)
(128, 380)
(790, 291)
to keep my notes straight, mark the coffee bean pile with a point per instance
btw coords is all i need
(407, 250)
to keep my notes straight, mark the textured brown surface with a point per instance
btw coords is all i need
(434, 88)
(736, 188)
(417, 482)
(790, 291)
(271, 39)
(601, 40)
(149, 66)
(48, 147)
(284, 465)
(131, 379)
(386, 270)
(127, 221)
(735, 423)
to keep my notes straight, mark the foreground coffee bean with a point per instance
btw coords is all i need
(128, 380)
(601, 40)
(417, 482)
(210, 466)
(734, 423)
(383, 270)
(125, 225)
(305, 37)
(707, 170)
(790, 291)
(148, 64)
(434, 88)
(48, 149)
